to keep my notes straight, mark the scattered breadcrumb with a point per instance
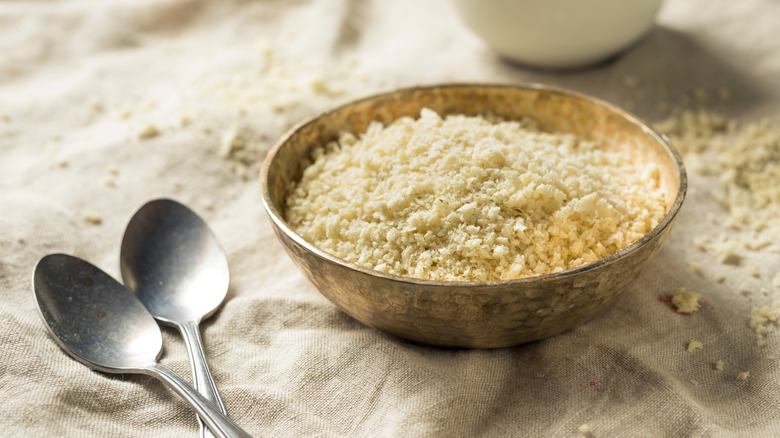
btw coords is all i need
(93, 218)
(584, 430)
(240, 170)
(109, 181)
(112, 169)
(724, 95)
(63, 163)
(319, 86)
(756, 241)
(694, 382)
(763, 319)
(694, 346)
(147, 104)
(743, 375)
(692, 131)
(230, 142)
(719, 365)
(726, 249)
(149, 131)
(686, 301)
(700, 95)
(694, 267)
(95, 104)
(630, 81)
(284, 85)
(746, 160)
(235, 145)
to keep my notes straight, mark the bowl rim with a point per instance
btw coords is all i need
(277, 216)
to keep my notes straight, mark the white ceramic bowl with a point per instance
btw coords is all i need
(559, 33)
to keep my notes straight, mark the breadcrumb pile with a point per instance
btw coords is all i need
(471, 199)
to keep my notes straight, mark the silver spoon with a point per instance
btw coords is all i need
(103, 325)
(175, 265)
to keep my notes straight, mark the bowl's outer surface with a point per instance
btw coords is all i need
(536, 32)
(475, 314)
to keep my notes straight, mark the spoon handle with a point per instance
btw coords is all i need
(219, 423)
(201, 375)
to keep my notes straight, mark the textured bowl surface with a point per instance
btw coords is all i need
(475, 314)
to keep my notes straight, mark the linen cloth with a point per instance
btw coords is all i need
(106, 105)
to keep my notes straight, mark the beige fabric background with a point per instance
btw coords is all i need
(79, 82)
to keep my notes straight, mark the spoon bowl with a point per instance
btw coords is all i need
(174, 263)
(102, 325)
(176, 267)
(93, 317)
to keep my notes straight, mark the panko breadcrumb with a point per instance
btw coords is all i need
(470, 199)
(149, 131)
(93, 218)
(763, 319)
(686, 301)
(694, 346)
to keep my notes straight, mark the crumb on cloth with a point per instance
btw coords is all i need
(149, 131)
(695, 346)
(763, 319)
(685, 301)
(93, 218)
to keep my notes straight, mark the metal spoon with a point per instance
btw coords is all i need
(175, 265)
(102, 325)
